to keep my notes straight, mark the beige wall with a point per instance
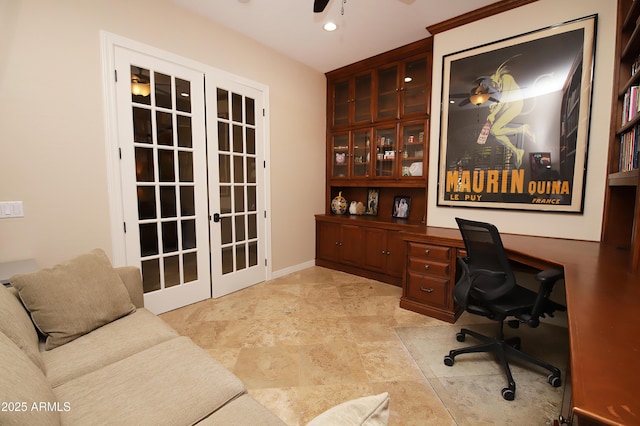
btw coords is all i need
(52, 125)
(540, 14)
(52, 129)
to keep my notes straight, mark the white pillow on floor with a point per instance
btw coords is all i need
(369, 410)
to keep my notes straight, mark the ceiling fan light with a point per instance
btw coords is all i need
(330, 26)
(140, 89)
(479, 98)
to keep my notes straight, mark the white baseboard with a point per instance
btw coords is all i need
(291, 269)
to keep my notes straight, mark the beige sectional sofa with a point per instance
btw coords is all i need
(77, 347)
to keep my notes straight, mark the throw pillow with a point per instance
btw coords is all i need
(74, 297)
(367, 411)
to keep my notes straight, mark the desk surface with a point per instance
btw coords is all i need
(603, 309)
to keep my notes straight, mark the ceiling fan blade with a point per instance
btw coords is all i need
(319, 5)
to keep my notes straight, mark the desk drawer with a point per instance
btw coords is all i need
(427, 266)
(429, 251)
(429, 290)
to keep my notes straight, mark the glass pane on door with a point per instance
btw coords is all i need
(237, 180)
(385, 152)
(415, 86)
(341, 103)
(362, 99)
(413, 150)
(361, 153)
(340, 167)
(162, 141)
(388, 92)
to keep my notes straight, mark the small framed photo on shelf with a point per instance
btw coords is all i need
(372, 201)
(401, 207)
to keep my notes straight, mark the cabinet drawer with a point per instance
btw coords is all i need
(422, 266)
(428, 290)
(430, 251)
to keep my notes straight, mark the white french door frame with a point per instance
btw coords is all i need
(109, 42)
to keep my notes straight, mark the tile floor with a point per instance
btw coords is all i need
(310, 340)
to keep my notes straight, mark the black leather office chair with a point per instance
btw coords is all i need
(487, 287)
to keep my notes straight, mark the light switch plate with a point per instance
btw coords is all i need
(11, 209)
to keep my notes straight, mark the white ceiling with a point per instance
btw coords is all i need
(367, 27)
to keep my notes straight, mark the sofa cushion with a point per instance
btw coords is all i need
(105, 345)
(174, 382)
(74, 297)
(16, 324)
(22, 385)
(243, 411)
(369, 410)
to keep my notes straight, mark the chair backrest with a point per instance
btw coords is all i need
(485, 252)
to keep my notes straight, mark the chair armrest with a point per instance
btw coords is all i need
(130, 276)
(550, 276)
(543, 305)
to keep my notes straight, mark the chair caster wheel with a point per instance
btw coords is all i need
(554, 380)
(460, 337)
(448, 360)
(508, 394)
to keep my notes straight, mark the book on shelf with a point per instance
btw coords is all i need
(630, 104)
(629, 150)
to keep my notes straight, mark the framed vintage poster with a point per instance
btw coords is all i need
(515, 121)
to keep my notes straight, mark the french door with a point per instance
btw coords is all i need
(162, 137)
(189, 150)
(236, 186)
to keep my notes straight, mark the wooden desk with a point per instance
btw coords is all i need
(603, 309)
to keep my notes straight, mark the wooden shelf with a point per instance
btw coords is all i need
(621, 219)
(624, 178)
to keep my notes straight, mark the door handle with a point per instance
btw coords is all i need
(216, 217)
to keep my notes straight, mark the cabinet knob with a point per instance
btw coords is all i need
(383, 252)
(426, 290)
(388, 253)
(427, 252)
(426, 267)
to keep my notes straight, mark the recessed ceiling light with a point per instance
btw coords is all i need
(330, 26)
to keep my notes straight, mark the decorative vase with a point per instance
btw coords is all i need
(339, 204)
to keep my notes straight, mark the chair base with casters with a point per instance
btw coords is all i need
(502, 348)
(487, 287)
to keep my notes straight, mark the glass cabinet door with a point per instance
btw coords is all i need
(413, 150)
(362, 99)
(386, 150)
(415, 87)
(340, 156)
(361, 153)
(341, 103)
(387, 93)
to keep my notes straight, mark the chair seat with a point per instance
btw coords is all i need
(517, 301)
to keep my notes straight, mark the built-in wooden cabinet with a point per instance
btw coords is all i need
(622, 203)
(368, 248)
(351, 100)
(377, 140)
(383, 251)
(429, 279)
(401, 88)
(342, 243)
